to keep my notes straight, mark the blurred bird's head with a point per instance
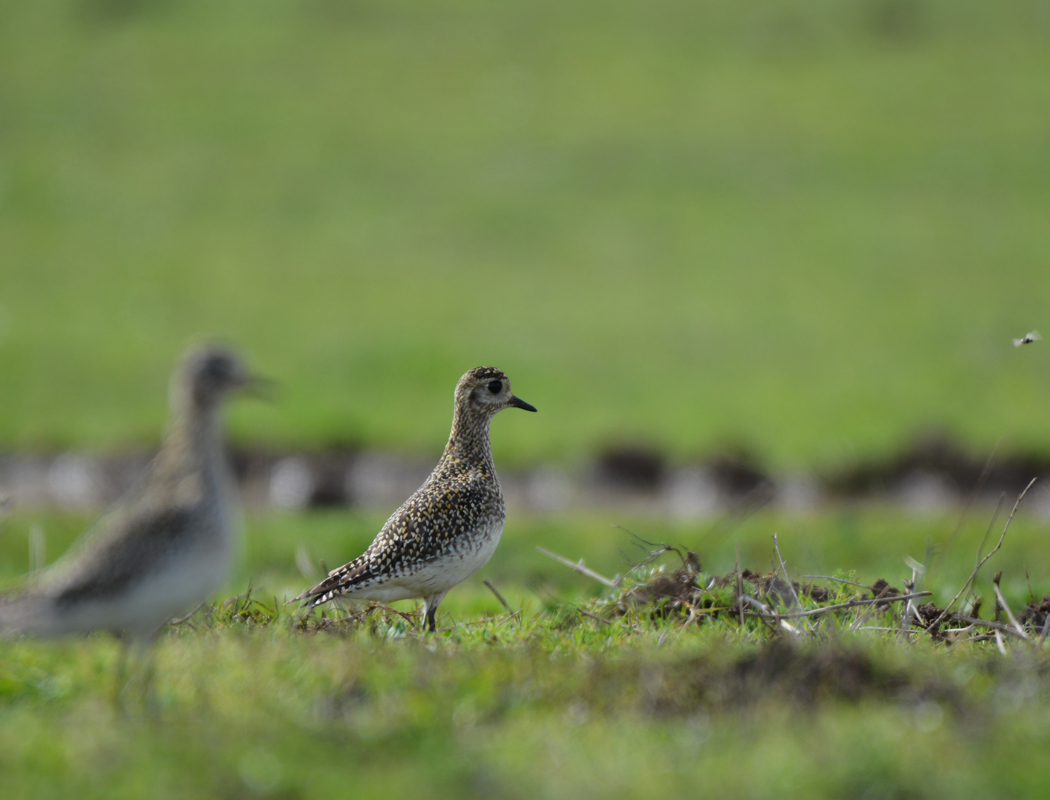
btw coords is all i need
(211, 372)
(486, 391)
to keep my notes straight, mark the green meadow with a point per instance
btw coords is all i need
(806, 229)
(863, 544)
(567, 698)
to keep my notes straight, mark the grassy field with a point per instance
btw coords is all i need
(245, 704)
(808, 227)
(497, 712)
(871, 543)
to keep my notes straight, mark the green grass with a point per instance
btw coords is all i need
(871, 543)
(282, 715)
(808, 227)
(279, 714)
(246, 705)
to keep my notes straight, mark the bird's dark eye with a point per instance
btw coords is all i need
(496, 387)
(217, 368)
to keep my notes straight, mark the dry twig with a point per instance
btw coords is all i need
(767, 613)
(999, 642)
(581, 568)
(839, 580)
(816, 612)
(917, 571)
(983, 623)
(783, 566)
(651, 555)
(181, 620)
(976, 569)
(587, 613)
(1009, 613)
(506, 605)
(1045, 631)
(739, 587)
(909, 609)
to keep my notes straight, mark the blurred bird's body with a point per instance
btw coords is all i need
(168, 545)
(450, 527)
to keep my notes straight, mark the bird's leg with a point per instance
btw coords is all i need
(121, 686)
(135, 671)
(149, 694)
(430, 605)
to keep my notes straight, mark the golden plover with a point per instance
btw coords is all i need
(169, 544)
(450, 527)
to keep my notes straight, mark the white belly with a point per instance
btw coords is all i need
(182, 583)
(438, 576)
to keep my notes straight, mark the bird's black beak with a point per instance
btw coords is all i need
(261, 387)
(517, 402)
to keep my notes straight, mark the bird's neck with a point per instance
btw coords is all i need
(193, 440)
(469, 440)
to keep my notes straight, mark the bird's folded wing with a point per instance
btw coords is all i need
(125, 548)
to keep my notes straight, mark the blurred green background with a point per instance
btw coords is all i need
(805, 228)
(810, 228)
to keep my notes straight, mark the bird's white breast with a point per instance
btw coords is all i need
(470, 553)
(186, 578)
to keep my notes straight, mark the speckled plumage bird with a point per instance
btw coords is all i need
(449, 528)
(169, 544)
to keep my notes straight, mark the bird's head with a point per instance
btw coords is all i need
(486, 391)
(211, 372)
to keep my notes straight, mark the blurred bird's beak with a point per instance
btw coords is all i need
(261, 387)
(517, 402)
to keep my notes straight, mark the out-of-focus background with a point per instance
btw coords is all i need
(758, 265)
(807, 229)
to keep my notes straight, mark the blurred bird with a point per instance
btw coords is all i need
(450, 527)
(168, 545)
(1031, 336)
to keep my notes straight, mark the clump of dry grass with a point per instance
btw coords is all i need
(752, 600)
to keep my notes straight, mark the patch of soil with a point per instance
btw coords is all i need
(737, 472)
(932, 468)
(936, 454)
(325, 473)
(881, 588)
(683, 589)
(805, 676)
(689, 596)
(637, 467)
(1035, 613)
